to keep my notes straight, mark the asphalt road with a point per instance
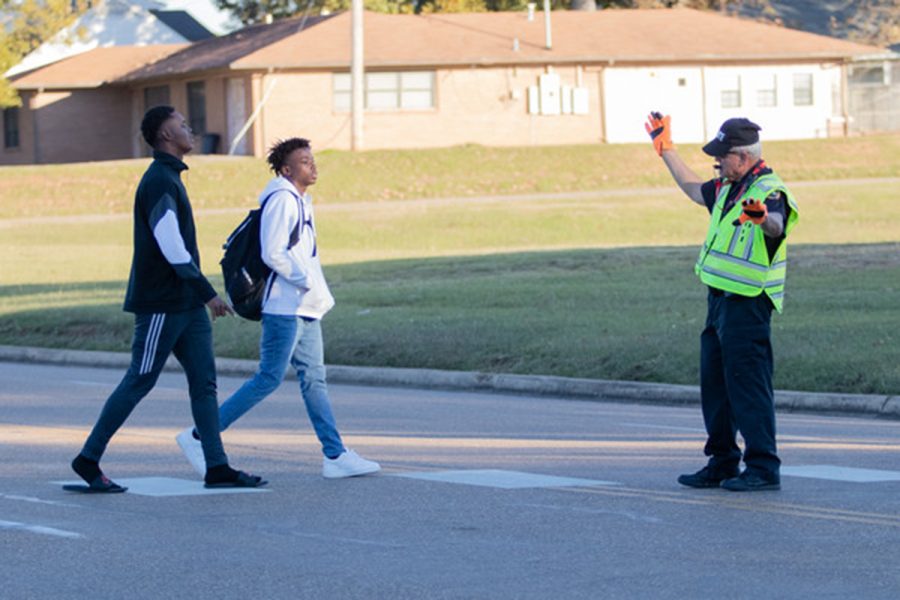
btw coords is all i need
(447, 517)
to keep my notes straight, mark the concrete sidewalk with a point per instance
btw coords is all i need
(533, 385)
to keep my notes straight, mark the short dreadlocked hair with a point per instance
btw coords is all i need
(153, 122)
(279, 152)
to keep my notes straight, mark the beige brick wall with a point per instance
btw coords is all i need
(486, 106)
(74, 126)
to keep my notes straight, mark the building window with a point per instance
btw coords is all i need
(196, 95)
(731, 92)
(386, 91)
(767, 94)
(11, 127)
(868, 74)
(417, 90)
(156, 96)
(342, 92)
(803, 89)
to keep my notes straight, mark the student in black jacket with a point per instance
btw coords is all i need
(167, 293)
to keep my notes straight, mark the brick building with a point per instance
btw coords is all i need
(481, 78)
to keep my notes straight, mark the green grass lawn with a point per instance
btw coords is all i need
(81, 251)
(597, 286)
(221, 182)
(624, 313)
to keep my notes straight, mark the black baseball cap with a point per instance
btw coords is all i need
(732, 134)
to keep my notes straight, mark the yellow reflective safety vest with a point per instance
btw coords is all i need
(734, 258)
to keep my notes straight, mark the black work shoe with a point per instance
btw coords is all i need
(708, 477)
(752, 481)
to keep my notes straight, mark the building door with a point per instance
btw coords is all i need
(236, 105)
(631, 93)
(157, 95)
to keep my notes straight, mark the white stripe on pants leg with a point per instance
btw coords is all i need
(150, 344)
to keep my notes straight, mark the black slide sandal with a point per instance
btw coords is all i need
(101, 485)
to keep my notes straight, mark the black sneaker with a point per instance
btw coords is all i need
(708, 477)
(752, 481)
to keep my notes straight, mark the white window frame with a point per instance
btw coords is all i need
(881, 69)
(387, 91)
(767, 97)
(727, 95)
(804, 94)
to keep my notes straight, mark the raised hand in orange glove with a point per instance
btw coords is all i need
(658, 126)
(754, 211)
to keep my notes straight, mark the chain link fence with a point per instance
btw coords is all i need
(874, 97)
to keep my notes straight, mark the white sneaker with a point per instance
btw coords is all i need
(348, 464)
(192, 449)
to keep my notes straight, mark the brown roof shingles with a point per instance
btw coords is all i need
(93, 68)
(222, 52)
(631, 36)
(608, 37)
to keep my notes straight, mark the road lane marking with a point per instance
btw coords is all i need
(113, 384)
(666, 427)
(159, 487)
(836, 473)
(595, 511)
(287, 531)
(39, 529)
(730, 500)
(507, 480)
(38, 501)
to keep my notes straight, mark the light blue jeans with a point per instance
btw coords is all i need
(298, 341)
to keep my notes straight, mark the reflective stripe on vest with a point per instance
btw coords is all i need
(734, 258)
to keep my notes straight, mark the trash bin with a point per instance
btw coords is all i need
(209, 143)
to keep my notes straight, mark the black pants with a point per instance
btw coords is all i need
(736, 382)
(188, 335)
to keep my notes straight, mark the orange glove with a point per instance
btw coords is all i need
(658, 126)
(754, 211)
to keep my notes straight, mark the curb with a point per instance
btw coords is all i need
(533, 385)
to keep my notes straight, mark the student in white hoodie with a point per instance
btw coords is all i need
(297, 299)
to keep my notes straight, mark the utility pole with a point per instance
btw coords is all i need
(548, 33)
(357, 82)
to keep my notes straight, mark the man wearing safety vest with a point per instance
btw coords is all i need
(743, 263)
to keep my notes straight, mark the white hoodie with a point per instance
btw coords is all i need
(297, 285)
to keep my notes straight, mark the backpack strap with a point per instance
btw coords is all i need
(301, 216)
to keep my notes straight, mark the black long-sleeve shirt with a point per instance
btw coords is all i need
(165, 268)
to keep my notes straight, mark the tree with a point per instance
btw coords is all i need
(875, 22)
(32, 22)
(871, 21)
(720, 5)
(255, 11)
(250, 12)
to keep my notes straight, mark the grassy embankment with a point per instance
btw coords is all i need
(599, 285)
